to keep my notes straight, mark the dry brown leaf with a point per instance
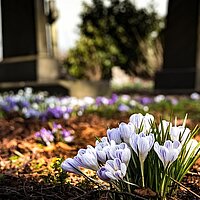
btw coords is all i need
(147, 192)
(65, 146)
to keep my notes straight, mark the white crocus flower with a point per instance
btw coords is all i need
(102, 148)
(114, 134)
(192, 148)
(113, 170)
(195, 96)
(120, 151)
(168, 152)
(126, 131)
(159, 98)
(87, 158)
(179, 133)
(102, 142)
(141, 122)
(164, 125)
(141, 145)
(101, 153)
(71, 165)
(136, 120)
(148, 119)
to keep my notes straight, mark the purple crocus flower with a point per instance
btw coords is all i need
(6, 108)
(123, 108)
(11, 101)
(174, 101)
(66, 135)
(31, 113)
(24, 104)
(113, 99)
(53, 113)
(45, 135)
(102, 101)
(10, 104)
(146, 100)
(98, 101)
(56, 127)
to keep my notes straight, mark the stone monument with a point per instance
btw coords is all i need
(181, 66)
(27, 48)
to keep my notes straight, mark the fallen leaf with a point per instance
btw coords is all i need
(65, 146)
(147, 192)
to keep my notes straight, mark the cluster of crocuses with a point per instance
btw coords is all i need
(39, 105)
(142, 153)
(35, 105)
(56, 133)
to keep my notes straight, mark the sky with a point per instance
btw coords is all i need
(69, 10)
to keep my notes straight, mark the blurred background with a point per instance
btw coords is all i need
(69, 13)
(118, 44)
(104, 34)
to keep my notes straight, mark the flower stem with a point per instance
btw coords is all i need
(162, 192)
(164, 184)
(142, 172)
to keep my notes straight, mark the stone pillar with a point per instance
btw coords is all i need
(180, 66)
(24, 35)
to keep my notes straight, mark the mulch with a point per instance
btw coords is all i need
(26, 167)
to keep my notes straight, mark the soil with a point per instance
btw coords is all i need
(26, 170)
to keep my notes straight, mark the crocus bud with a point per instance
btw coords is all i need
(114, 134)
(70, 165)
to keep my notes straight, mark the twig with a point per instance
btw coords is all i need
(106, 196)
(44, 194)
(193, 174)
(24, 188)
(196, 195)
(129, 194)
(18, 153)
(47, 188)
(80, 189)
(173, 198)
(10, 190)
(58, 197)
(110, 191)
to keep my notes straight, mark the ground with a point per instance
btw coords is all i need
(28, 170)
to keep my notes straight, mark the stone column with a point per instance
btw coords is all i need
(24, 36)
(180, 66)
